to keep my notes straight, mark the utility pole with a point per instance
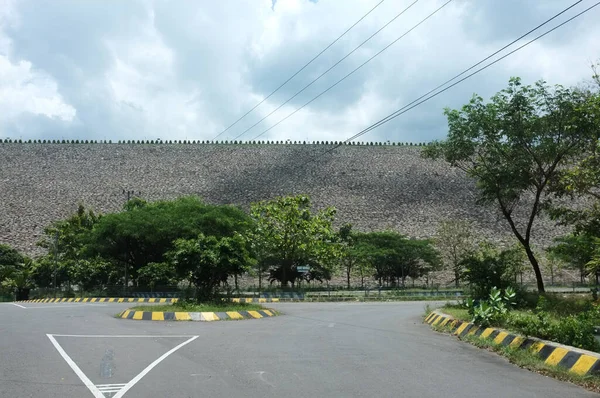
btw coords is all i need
(55, 260)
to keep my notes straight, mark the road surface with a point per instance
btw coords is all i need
(379, 350)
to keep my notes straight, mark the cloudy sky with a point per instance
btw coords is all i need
(99, 69)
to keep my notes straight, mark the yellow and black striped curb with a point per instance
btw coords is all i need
(195, 316)
(102, 300)
(260, 300)
(575, 360)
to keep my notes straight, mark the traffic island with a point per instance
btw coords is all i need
(195, 316)
(204, 312)
(555, 359)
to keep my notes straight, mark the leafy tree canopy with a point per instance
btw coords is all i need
(288, 235)
(394, 257)
(514, 146)
(143, 234)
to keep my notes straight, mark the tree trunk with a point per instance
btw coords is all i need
(348, 277)
(536, 268)
(456, 277)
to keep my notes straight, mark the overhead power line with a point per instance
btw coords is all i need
(426, 97)
(300, 70)
(356, 69)
(330, 68)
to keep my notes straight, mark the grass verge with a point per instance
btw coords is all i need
(528, 360)
(202, 307)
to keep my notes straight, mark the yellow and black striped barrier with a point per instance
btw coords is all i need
(195, 316)
(256, 300)
(102, 300)
(575, 360)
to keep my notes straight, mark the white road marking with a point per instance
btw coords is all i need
(109, 385)
(119, 389)
(19, 305)
(331, 325)
(150, 367)
(88, 383)
(122, 335)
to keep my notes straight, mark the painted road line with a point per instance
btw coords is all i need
(119, 389)
(18, 305)
(88, 383)
(150, 367)
(135, 336)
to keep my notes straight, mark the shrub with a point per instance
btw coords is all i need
(486, 269)
(576, 330)
(494, 310)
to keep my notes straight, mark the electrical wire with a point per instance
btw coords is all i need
(299, 70)
(356, 69)
(418, 102)
(328, 70)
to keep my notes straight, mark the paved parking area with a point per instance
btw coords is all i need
(313, 350)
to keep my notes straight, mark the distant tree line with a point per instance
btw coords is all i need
(188, 242)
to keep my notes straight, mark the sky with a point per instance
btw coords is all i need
(186, 70)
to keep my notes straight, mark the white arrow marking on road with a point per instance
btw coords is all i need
(100, 390)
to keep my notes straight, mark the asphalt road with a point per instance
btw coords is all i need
(314, 350)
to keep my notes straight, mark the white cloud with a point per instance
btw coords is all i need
(187, 70)
(23, 88)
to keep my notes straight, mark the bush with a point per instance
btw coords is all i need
(574, 330)
(486, 269)
(494, 310)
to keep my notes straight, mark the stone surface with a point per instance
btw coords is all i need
(373, 187)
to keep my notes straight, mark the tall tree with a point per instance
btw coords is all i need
(289, 236)
(209, 261)
(455, 241)
(394, 257)
(65, 240)
(349, 258)
(144, 233)
(514, 146)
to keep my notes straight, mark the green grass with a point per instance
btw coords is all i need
(456, 312)
(203, 307)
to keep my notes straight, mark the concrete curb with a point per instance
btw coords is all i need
(575, 360)
(195, 316)
(102, 300)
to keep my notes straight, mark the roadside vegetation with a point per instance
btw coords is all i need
(529, 360)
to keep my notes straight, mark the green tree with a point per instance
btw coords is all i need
(208, 261)
(288, 236)
(20, 281)
(349, 255)
(65, 240)
(514, 146)
(455, 241)
(489, 268)
(10, 261)
(394, 257)
(154, 274)
(144, 233)
(576, 250)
